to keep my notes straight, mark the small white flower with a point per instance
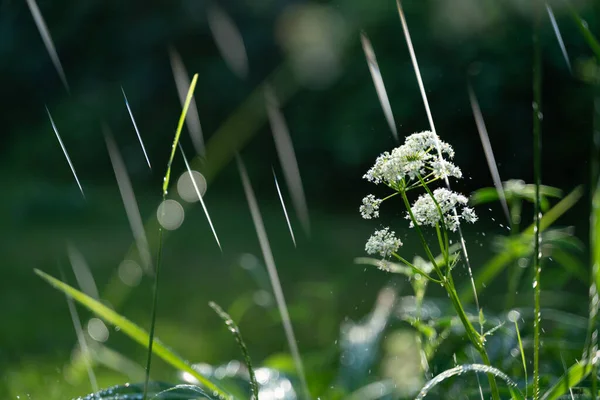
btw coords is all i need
(383, 242)
(370, 207)
(422, 154)
(426, 212)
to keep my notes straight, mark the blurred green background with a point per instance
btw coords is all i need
(310, 54)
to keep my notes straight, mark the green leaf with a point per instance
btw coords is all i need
(132, 330)
(585, 31)
(574, 375)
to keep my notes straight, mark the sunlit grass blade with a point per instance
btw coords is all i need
(192, 117)
(514, 391)
(182, 118)
(537, 213)
(232, 326)
(577, 373)
(130, 329)
(228, 39)
(521, 349)
(62, 146)
(137, 131)
(45, 34)
(187, 166)
(378, 82)
(417, 71)
(82, 342)
(489, 153)
(287, 218)
(287, 157)
(129, 201)
(165, 189)
(273, 275)
(496, 265)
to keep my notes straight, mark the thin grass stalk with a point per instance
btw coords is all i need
(165, 188)
(537, 147)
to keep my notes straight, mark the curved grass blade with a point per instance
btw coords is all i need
(233, 328)
(132, 330)
(578, 372)
(160, 391)
(514, 391)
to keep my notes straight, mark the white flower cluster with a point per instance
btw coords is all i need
(383, 242)
(370, 207)
(418, 156)
(426, 212)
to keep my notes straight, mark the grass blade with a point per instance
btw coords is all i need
(228, 39)
(537, 213)
(192, 118)
(585, 31)
(287, 218)
(287, 157)
(186, 106)
(130, 329)
(232, 326)
(378, 82)
(273, 275)
(578, 372)
(489, 153)
(187, 166)
(137, 131)
(62, 146)
(514, 391)
(129, 202)
(45, 34)
(563, 49)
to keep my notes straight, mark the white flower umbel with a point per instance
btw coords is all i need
(426, 212)
(370, 207)
(418, 156)
(383, 242)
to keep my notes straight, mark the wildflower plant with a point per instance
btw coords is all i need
(417, 165)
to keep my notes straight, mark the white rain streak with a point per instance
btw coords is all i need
(413, 58)
(273, 275)
(489, 153)
(287, 157)
(228, 39)
(45, 34)
(129, 202)
(62, 146)
(192, 118)
(82, 272)
(378, 82)
(83, 346)
(287, 218)
(187, 166)
(558, 36)
(137, 131)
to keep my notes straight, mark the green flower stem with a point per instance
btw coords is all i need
(448, 284)
(416, 269)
